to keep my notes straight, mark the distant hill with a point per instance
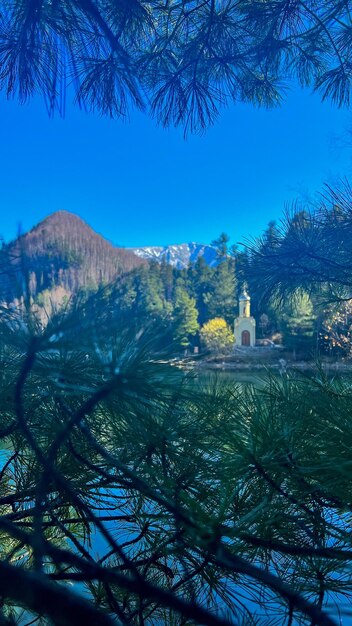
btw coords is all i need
(178, 255)
(62, 255)
(62, 251)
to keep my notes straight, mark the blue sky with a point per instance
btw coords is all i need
(138, 184)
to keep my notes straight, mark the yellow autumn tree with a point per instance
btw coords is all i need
(217, 336)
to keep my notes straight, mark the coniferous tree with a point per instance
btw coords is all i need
(221, 245)
(185, 317)
(221, 300)
(298, 325)
(200, 277)
(168, 279)
(182, 61)
(311, 251)
(152, 295)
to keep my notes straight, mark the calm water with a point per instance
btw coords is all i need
(255, 377)
(259, 377)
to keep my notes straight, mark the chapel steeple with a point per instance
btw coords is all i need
(244, 302)
(244, 323)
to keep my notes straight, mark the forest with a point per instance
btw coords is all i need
(194, 307)
(190, 304)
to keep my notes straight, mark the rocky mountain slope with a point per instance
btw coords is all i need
(178, 255)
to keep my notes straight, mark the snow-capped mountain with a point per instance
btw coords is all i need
(178, 255)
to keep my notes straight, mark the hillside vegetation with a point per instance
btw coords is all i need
(61, 251)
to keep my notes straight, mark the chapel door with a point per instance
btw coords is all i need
(246, 339)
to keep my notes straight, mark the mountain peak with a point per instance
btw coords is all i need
(179, 255)
(63, 250)
(63, 219)
(62, 213)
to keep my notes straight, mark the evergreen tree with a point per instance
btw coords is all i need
(271, 235)
(200, 277)
(167, 275)
(221, 300)
(152, 300)
(221, 296)
(221, 246)
(298, 324)
(181, 61)
(185, 317)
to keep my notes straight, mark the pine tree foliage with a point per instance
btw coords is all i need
(169, 503)
(185, 317)
(311, 249)
(182, 60)
(336, 331)
(298, 324)
(199, 279)
(221, 297)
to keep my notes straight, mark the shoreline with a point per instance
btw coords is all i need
(250, 366)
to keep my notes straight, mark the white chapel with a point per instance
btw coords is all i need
(244, 323)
